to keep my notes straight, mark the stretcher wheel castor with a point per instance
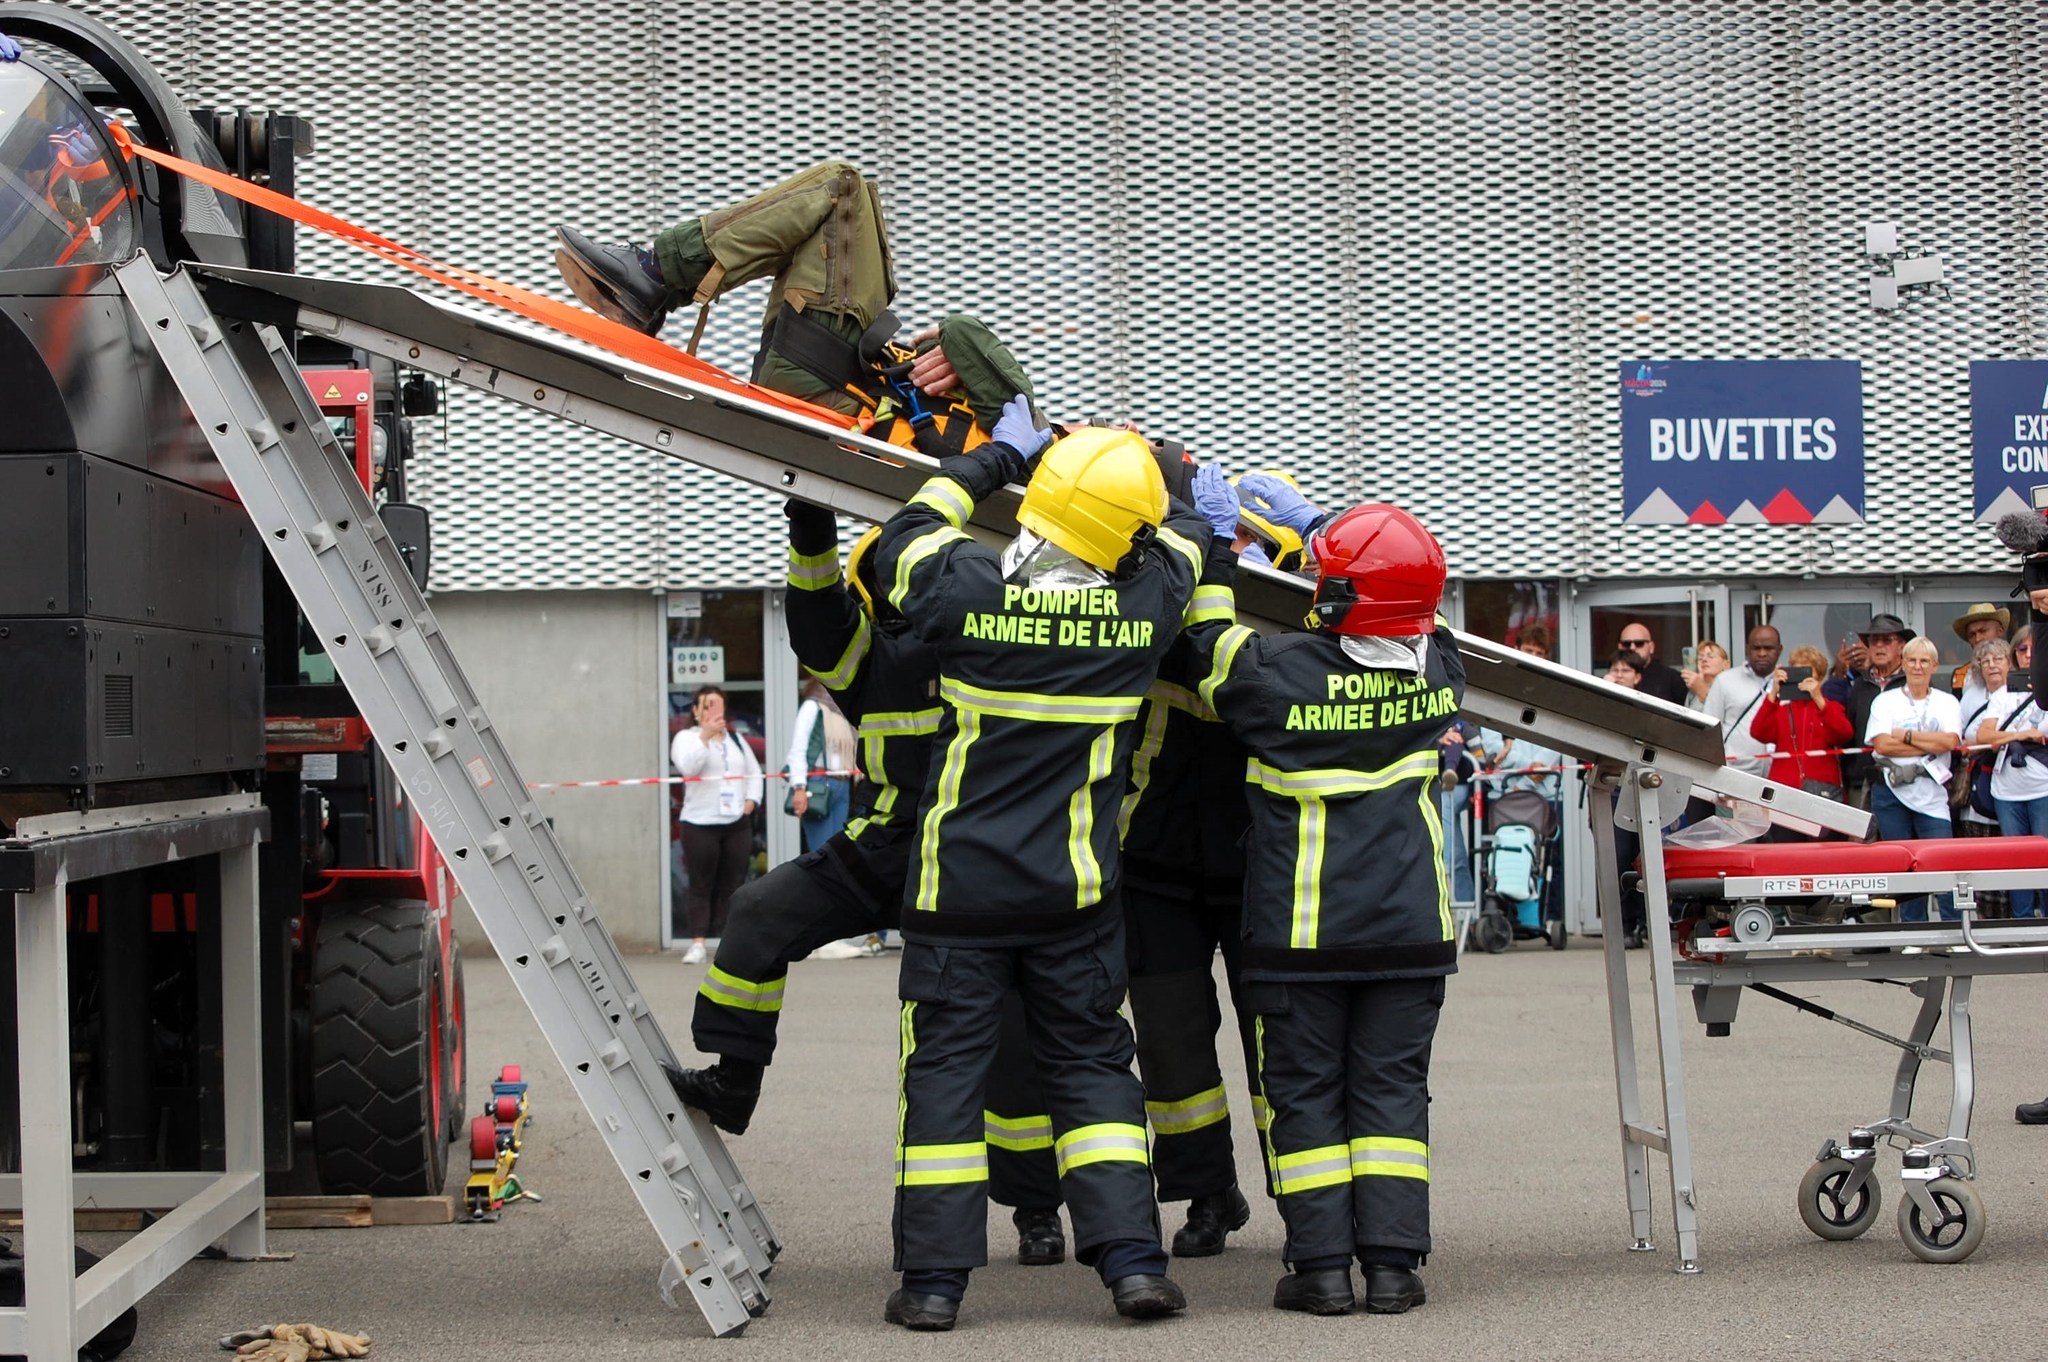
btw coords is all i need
(1830, 1214)
(1953, 1238)
(1752, 924)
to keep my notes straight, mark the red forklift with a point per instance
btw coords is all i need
(150, 652)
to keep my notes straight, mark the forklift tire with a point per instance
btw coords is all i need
(379, 1126)
(454, 1050)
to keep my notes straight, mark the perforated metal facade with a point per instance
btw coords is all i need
(1397, 248)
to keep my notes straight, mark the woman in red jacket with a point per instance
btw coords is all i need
(1802, 725)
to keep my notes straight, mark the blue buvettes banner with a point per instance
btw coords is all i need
(1735, 442)
(2009, 434)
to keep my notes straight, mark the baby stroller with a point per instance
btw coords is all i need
(1514, 864)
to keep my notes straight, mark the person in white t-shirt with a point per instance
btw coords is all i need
(1912, 730)
(2014, 724)
(717, 817)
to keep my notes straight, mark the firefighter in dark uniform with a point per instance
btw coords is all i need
(887, 683)
(1347, 915)
(1045, 654)
(1184, 820)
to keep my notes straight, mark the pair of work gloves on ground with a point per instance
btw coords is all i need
(295, 1343)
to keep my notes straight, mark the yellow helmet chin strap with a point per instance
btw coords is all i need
(856, 560)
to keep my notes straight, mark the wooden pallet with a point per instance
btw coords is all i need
(287, 1213)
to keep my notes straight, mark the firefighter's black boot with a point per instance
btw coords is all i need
(1316, 1291)
(920, 1310)
(726, 1092)
(1146, 1296)
(1392, 1290)
(1040, 1240)
(622, 283)
(1210, 1220)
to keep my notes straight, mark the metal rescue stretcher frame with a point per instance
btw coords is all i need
(1653, 753)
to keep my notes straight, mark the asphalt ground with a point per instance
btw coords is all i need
(1530, 1221)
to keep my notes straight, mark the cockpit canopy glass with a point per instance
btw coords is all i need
(64, 196)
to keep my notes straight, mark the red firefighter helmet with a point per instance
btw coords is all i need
(1379, 572)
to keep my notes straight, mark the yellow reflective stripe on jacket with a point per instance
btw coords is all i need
(1150, 740)
(1024, 704)
(1185, 547)
(945, 800)
(1081, 820)
(946, 497)
(1234, 638)
(919, 549)
(1321, 784)
(1308, 875)
(1262, 1115)
(1211, 603)
(729, 990)
(1189, 1113)
(848, 666)
(875, 732)
(813, 571)
(1180, 697)
(1433, 819)
(1020, 1134)
(934, 1165)
(1110, 1142)
(1385, 1156)
(1312, 1168)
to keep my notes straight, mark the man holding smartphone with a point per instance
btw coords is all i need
(1658, 679)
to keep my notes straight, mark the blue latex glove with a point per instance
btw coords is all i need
(1277, 503)
(1019, 429)
(10, 50)
(1216, 499)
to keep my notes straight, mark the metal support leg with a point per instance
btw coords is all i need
(241, 972)
(1635, 1158)
(1931, 993)
(43, 1015)
(1664, 994)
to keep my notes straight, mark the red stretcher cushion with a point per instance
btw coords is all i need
(1980, 853)
(1799, 858)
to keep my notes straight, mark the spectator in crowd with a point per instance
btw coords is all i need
(1535, 639)
(1912, 730)
(2013, 724)
(1626, 671)
(1865, 669)
(1713, 659)
(1657, 679)
(2022, 652)
(1802, 726)
(1990, 669)
(1980, 623)
(1733, 699)
(722, 791)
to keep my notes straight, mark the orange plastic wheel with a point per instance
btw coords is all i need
(509, 1074)
(506, 1109)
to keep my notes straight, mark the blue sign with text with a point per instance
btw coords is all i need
(1742, 442)
(2009, 434)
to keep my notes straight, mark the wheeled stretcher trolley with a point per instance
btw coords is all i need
(1755, 916)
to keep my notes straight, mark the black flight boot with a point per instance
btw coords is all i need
(1392, 1290)
(1211, 1219)
(1146, 1296)
(921, 1310)
(726, 1092)
(621, 283)
(1040, 1240)
(1320, 1291)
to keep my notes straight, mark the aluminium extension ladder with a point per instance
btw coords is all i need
(243, 386)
